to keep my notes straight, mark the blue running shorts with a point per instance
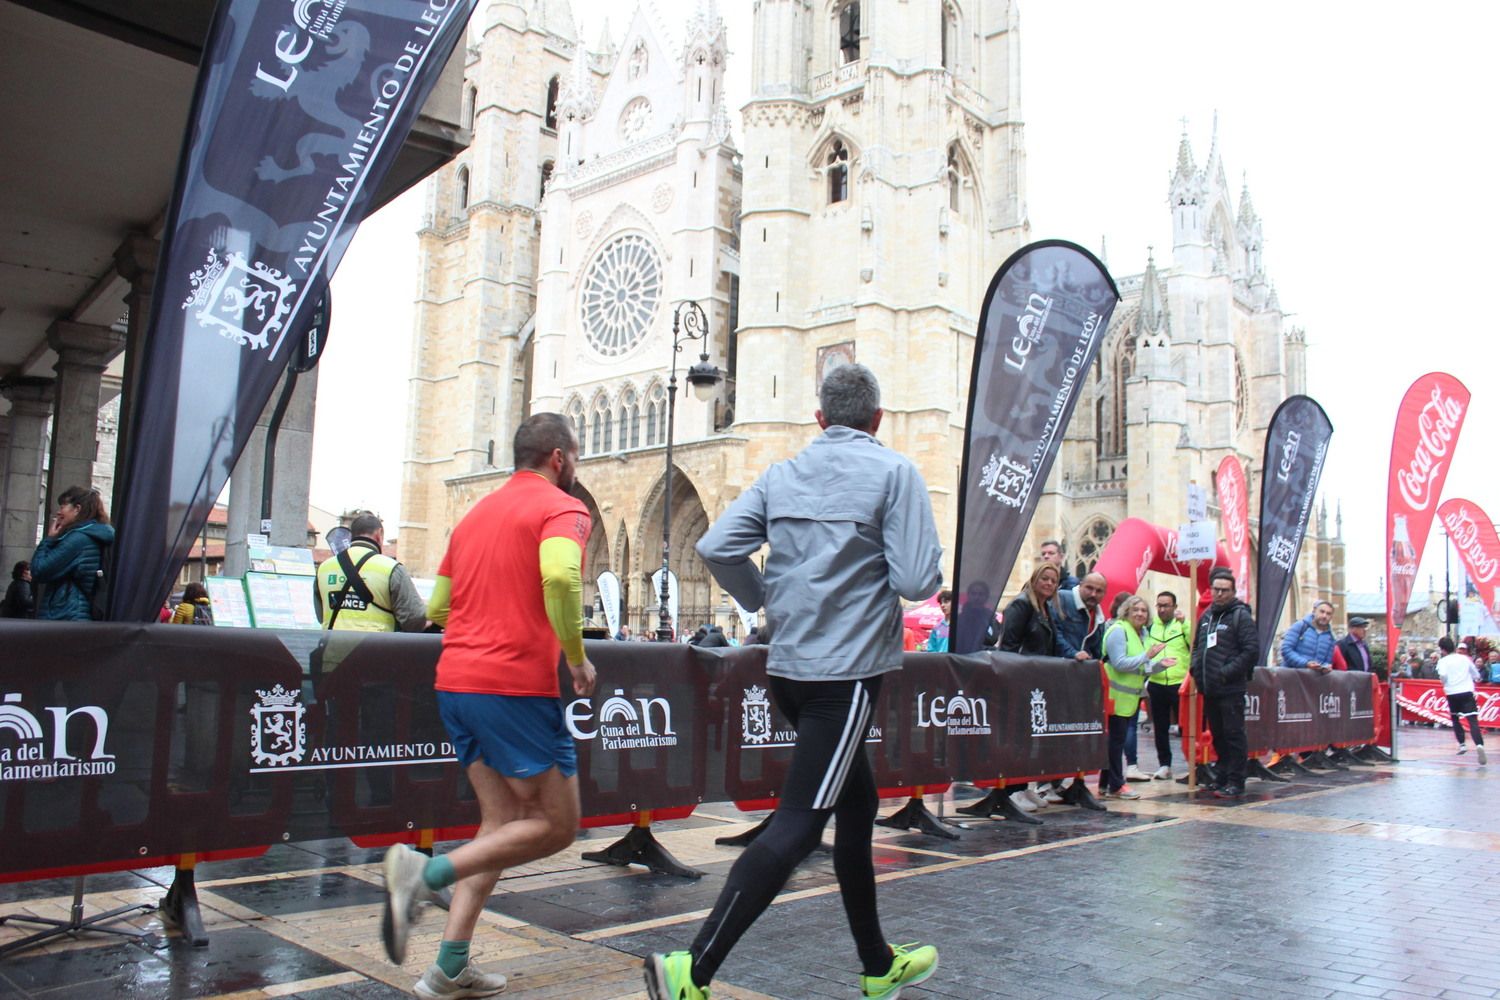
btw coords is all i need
(516, 735)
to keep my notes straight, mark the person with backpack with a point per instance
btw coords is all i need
(69, 561)
(195, 607)
(20, 600)
(363, 590)
(1308, 644)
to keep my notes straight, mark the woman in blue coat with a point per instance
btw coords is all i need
(68, 561)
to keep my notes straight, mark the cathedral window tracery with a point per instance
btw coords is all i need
(461, 191)
(601, 427)
(635, 119)
(640, 61)
(958, 178)
(576, 419)
(549, 120)
(547, 168)
(848, 32)
(630, 419)
(621, 290)
(1091, 546)
(656, 415)
(838, 173)
(949, 30)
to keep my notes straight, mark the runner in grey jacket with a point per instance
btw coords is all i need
(851, 532)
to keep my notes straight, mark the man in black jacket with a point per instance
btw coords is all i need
(1225, 651)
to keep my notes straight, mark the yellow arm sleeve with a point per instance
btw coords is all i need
(562, 592)
(437, 604)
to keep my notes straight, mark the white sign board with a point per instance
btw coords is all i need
(1197, 507)
(1197, 541)
(609, 596)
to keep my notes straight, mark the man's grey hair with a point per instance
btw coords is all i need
(849, 397)
(365, 525)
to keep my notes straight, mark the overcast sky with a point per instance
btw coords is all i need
(1362, 130)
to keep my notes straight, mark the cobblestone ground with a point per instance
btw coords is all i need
(1376, 882)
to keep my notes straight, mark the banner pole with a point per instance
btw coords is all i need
(1395, 709)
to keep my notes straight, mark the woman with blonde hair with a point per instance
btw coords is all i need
(1027, 625)
(1127, 663)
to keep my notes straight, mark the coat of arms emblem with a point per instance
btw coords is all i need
(755, 716)
(244, 301)
(1038, 712)
(279, 733)
(1006, 480)
(1280, 706)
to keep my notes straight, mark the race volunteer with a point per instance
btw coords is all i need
(363, 590)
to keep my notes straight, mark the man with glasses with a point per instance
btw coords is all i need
(1225, 652)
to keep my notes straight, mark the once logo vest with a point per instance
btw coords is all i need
(354, 613)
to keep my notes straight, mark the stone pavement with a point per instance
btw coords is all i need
(1378, 882)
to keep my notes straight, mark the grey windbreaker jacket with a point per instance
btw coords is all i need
(851, 532)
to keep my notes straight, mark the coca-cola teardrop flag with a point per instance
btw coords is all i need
(1473, 534)
(1296, 447)
(1234, 517)
(1427, 425)
(300, 111)
(1043, 320)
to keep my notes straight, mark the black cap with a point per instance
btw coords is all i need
(1358, 622)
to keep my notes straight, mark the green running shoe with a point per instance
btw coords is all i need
(670, 977)
(910, 965)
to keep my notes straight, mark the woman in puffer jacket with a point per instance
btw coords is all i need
(68, 561)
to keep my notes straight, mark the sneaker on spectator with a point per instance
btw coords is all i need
(1126, 792)
(1034, 798)
(1463, 748)
(1054, 797)
(1023, 803)
(1482, 758)
(1134, 773)
(1163, 773)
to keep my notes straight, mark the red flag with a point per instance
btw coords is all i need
(1427, 425)
(1473, 533)
(1234, 517)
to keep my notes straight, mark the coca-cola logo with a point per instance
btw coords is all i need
(1430, 703)
(1463, 531)
(1437, 426)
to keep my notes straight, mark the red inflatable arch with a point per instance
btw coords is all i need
(1138, 547)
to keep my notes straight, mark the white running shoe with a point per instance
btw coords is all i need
(1163, 773)
(471, 982)
(1054, 797)
(1126, 792)
(404, 891)
(1482, 758)
(1134, 773)
(1463, 748)
(1022, 802)
(1035, 798)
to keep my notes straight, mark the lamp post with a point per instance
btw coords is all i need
(689, 322)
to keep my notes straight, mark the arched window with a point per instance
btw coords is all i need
(949, 30)
(849, 32)
(575, 418)
(956, 180)
(461, 190)
(601, 426)
(656, 416)
(471, 101)
(550, 119)
(546, 178)
(630, 419)
(838, 173)
(1091, 545)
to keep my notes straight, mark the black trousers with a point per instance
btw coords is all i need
(1163, 704)
(1225, 715)
(1113, 778)
(830, 777)
(1464, 706)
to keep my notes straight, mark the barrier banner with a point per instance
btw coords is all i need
(1473, 534)
(1288, 709)
(1424, 701)
(299, 112)
(1296, 446)
(1043, 319)
(1234, 516)
(123, 745)
(1427, 425)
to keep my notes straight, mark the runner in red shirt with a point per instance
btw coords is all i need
(510, 592)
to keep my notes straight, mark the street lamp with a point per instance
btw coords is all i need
(689, 322)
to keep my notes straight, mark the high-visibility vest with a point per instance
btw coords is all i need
(1174, 635)
(355, 615)
(1126, 689)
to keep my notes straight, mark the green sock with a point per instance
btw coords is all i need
(452, 957)
(439, 874)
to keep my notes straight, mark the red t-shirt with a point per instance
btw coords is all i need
(499, 640)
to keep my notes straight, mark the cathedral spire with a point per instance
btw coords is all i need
(555, 17)
(1150, 295)
(1185, 166)
(1247, 216)
(605, 46)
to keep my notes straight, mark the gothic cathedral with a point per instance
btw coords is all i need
(881, 184)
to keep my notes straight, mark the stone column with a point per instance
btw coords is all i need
(21, 503)
(135, 260)
(289, 488)
(83, 352)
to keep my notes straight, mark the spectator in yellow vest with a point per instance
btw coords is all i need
(363, 590)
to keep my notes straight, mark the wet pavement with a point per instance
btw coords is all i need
(1375, 882)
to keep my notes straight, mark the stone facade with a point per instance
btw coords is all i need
(881, 184)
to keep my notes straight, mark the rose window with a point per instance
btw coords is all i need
(621, 291)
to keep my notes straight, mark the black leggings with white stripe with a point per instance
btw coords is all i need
(830, 776)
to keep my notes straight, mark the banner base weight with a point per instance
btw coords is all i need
(916, 815)
(1372, 754)
(640, 847)
(1255, 769)
(180, 907)
(1341, 755)
(1291, 766)
(998, 803)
